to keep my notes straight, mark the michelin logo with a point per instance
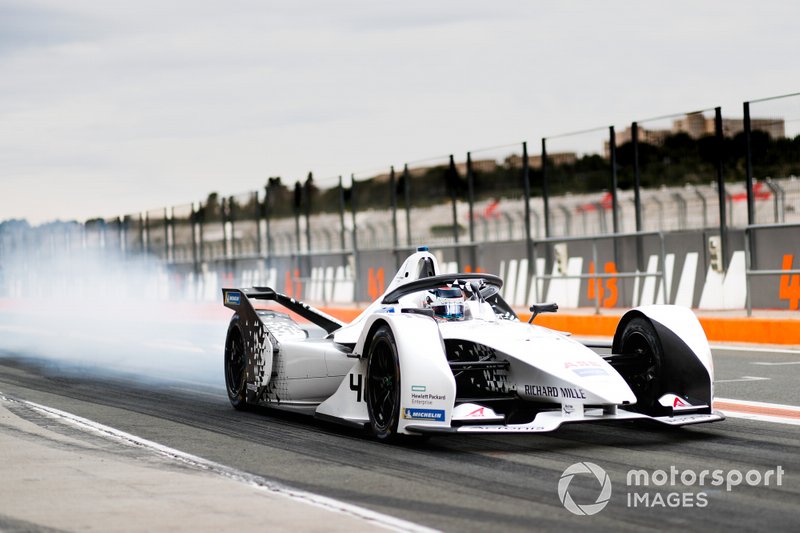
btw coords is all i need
(424, 414)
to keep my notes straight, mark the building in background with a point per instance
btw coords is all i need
(697, 125)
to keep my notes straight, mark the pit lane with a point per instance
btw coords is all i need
(458, 483)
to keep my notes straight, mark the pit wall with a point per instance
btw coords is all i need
(631, 270)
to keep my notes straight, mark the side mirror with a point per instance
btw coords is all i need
(475, 288)
(542, 308)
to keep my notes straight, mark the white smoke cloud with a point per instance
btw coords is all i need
(95, 311)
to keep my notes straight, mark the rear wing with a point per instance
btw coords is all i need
(239, 300)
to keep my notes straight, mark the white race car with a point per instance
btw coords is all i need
(444, 353)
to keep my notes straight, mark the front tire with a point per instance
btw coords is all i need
(640, 342)
(383, 385)
(236, 366)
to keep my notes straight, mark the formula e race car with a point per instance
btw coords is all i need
(444, 353)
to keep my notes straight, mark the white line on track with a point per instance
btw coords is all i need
(776, 364)
(257, 482)
(743, 378)
(761, 418)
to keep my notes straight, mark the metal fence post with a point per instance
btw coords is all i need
(453, 197)
(356, 266)
(393, 201)
(471, 200)
(407, 195)
(257, 217)
(545, 192)
(232, 219)
(526, 187)
(298, 198)
(122, 224)
(637, 199)
(637, 196)
(723, 229)
(748, 158)
(612, 144)
(683, 214)
(166, 235)
(223, 216)
(143, 236)
(307, 205)
(201, 217)
(193, 226)
(267, 214)
(341, 214)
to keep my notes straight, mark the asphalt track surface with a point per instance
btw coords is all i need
(461, 483)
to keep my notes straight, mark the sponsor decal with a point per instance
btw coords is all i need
(423, 414)
(676, 402)
(418, 388)
(588, 372)
(554, 392)
(425, 398)
(582, 364)
(577, 394)
(233, 297)
(586, 368)
(572, 410)
(479, 412)
(541, 390)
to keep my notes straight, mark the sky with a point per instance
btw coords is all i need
(111, 107)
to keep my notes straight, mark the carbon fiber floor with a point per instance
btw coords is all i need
(465, 483)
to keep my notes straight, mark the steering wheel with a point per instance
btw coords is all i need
(493, 284)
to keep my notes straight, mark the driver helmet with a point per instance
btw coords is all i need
(447, 303)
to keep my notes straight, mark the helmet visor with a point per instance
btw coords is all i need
(449, 310)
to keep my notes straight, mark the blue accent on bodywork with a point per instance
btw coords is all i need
(233, 297)
(423, 414)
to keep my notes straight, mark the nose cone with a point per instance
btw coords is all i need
(547, 366)
(570, 370)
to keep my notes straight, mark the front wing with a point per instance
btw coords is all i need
(552, 420)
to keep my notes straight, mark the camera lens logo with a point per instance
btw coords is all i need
(602, 498)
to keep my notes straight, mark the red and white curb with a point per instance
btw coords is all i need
(765, 412)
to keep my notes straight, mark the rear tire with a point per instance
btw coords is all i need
(236, 366)
(383, 385)
(640, 341)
